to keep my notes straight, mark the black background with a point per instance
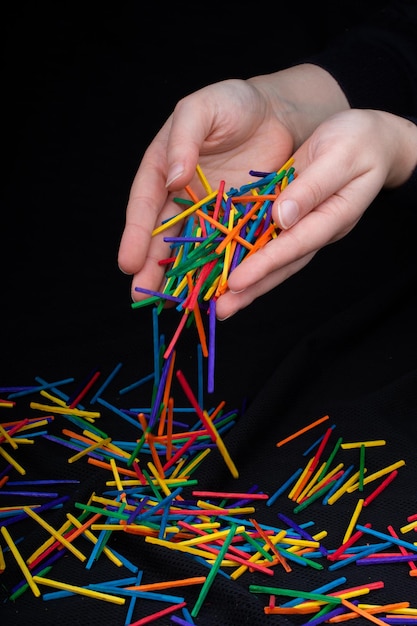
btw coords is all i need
(83, 94)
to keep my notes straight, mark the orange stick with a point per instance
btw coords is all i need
(200, 329)
(376, 609)
(262, 240)
(302, 430)
(192, 194)
(236, 229)
(104, 465)
(272, 547)
(362, 612)
(223, 228)
(143, 422)
(155, 456)
(258, 197)
(167, 391)
(74, 435)
(3, 481)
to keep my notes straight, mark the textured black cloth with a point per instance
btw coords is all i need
(375, 62)
(84, 96)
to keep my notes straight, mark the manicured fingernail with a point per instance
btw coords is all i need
(223, 319)
(174, 172)
(288, 213)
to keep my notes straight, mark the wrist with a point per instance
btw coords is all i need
(302, 96)
(402, 148)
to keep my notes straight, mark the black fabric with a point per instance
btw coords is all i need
(86, 95)
(375, 62)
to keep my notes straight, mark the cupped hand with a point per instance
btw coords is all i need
(341, 168)
(227, 129)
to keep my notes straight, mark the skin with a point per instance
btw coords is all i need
(343, 158)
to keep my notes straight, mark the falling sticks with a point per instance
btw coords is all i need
(212, 346)
(209, 425)
(218, 232)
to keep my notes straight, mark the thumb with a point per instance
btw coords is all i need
(309, 189)
(288, 213)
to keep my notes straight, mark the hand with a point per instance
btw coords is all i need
(227, 128)
(341, 169)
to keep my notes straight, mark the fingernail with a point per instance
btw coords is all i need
(174, 172)
(288, 213)
(223, 319)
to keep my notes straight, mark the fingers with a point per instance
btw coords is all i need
(323, 177)
(347, 149)
(191, 123)
(147, 198)
(231, 302)
(336, 184)
(310, 234)
(150, 202)
(289, 252)
(336, 181)
(169, 164)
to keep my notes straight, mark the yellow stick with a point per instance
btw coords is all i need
(375, 475)
(209, 537)
(25, 570)
(89, 449)
(186, 213)
(353, 520)
(7, 437)
(11, 460)
(55, 534)
(91, 536)
(65, 526)
(81, 590)
(64, 410)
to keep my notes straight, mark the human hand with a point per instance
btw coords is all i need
(341, 168)
(227, 128)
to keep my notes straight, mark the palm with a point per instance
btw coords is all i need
(264, 149)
